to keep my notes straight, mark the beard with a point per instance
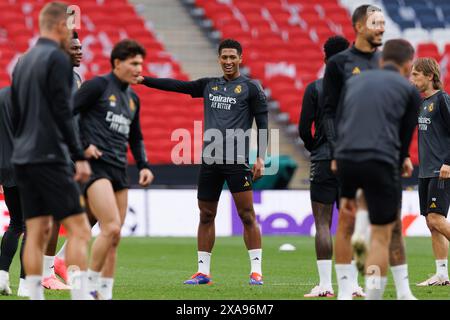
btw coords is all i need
(371, 41)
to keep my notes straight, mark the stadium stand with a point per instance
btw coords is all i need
(104, 23)
(283, 39)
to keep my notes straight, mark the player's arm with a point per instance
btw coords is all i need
(259, 108)
(307, 116)
(193, 88)
(137, 147)
(88, 94)
(85, 98)
(333, 82)
(444, 109)
(59, 84)
(15, 110)
(409, 122)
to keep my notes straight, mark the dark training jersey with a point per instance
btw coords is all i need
(434, 134)
(109, 119)
(76, 85)
(377, 117)
(6, 139)
(229, 107)
(42, 117)
(312, 112)
(340, 68)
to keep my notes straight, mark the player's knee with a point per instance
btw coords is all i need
(247, 216)
(112, 230)
(16, 228)
(433, 221)
(207, 215)
(83, 234)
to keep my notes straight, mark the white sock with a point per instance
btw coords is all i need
(255, 260)
(362, 224)
(35, 288)
(204, 262)
(78, 285)
(49, 266)
(442, 268)
(106, 288)
(93, 280)
(23, 290)
(400, 275)
(375, 286)
(61, 253)
(344, 279)
(355, 274)
(324, 268)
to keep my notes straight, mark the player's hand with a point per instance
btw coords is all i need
(92, 152)
(140, 79)
(407, 168)
(445, 172)
(145, 177)
(82, 171)
(334, 167)
(1, 189)
(258, 169)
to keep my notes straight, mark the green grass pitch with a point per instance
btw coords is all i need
(155, 268)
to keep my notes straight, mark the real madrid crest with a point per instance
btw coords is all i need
(112, 100)
(431, 107)
(238, 89)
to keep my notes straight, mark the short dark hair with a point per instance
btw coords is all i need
(125, 49)
(398, 51)
(361, 12)
(74, 35)
(334, 45)
(230, 44)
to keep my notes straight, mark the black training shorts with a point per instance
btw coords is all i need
(380, 183)
(48, 189)
(213, 176)
(434, 196)
(102, 170)
(324, 183)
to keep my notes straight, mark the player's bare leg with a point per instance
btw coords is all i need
(50, 281)
(440, 246)
(103, 205)
(343, 248)
(206, 236)
(361, 234)
(60, 263)
(397, 260)
(78, 237)
(38, 234)
(378, 261)
(252, 233)
(323, 214)
(108, 271)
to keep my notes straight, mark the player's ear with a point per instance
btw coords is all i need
(116, 63)
(359, 26)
